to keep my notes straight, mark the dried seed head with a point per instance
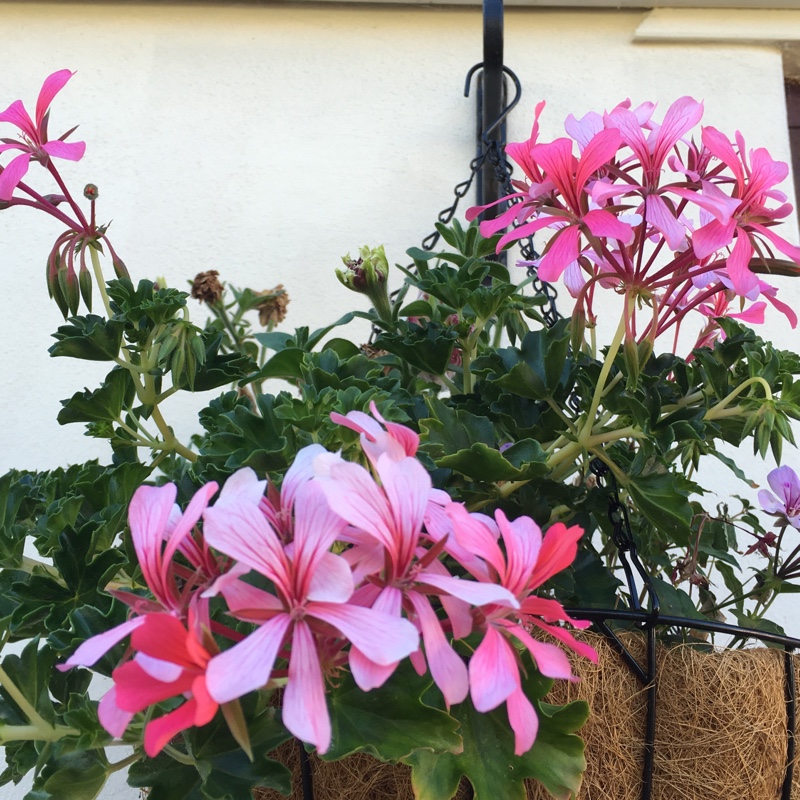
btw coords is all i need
(206, 287)
(272, 309)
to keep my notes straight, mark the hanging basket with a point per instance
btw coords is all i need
(721, 732)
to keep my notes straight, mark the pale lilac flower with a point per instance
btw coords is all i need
(785, 503)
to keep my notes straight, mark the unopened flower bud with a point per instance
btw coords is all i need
(206, 287)
(120, 270)
(90, 191)
(368, 275)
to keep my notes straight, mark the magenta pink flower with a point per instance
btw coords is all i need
(309, 609)
(35, 143)
(529, 561)
(379, 436)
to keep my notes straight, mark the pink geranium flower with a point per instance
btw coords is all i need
(35, 142)
(529, 560)
(309, 609)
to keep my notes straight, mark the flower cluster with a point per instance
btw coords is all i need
(671, 224)
(345, 566)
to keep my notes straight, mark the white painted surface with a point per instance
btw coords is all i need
(267, 141)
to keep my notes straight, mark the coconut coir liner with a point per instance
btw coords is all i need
(720, 732)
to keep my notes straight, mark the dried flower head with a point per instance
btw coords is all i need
(206, 287)
(272, 309)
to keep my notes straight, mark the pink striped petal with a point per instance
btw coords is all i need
(720, 146)
(550, 659)
(185, 524)
(527, 229)
(305, 712)
(148, 516)
(712, 199)
(661, 217)
(301, 471)
(605, 224)
(523, 720)
(598, 152)
(583, 130)
(332, 580)
(367, 674)
(92, 650)
(680, 118)
(474, 536)
(788, 249)
(383, 638)
(247, 665)
(523, 541)
(712, 237)
(558, 551)
(738, 265)
(493, 671)
(563, 635)
(472, 592)
(447, 669)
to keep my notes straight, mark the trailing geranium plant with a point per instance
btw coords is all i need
(383, 558)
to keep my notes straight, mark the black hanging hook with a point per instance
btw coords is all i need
(507, 109)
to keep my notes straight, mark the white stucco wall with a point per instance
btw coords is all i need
(267, 141)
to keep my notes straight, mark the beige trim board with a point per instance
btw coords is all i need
(748, 26)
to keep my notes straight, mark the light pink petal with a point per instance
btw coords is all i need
(301, 471)
(563, 635)
(247, 665)
(316, 528)
(712, 237)
(584, 129)
(52, 85)
(447, 669)
(523, 720)
(493, 671)
(164, 671)
(765, 172)
(473, 535)
(242, 487)
(367, 674)
(628, 125)
(70, 151)
(561, 250)
(659, 215)
(17, 115)
(785, 309)
(712, 199)
(753, 315)
(305, 712)
(13, 174)
(574, 278)
(111, 716)
(92, 650)
(383, 638)
(240, 530)
(332, 580)
(148, 516)
(407, 485)
(355, 497)
(246, 601)
(161, 731)
(680, 118)
(603, 190)
(185, 524)
(523, 540)
(770, 503)
(472, 592)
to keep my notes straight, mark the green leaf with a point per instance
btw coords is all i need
(663, 498)
(673, 601)
(427, 347)
(390, 722)
(105, 403)
(484, 463)
(75, 776)
(488, 759)
(91, 338)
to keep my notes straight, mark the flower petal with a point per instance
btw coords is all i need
(92, 650)
(13, 174)
(305, 712)
(523, 720)
(52, 85)
(493, 671)
(161, 731)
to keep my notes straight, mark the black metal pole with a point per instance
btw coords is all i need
(491, 101)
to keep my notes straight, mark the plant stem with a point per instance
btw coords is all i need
(713, 413)
(101, 284)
